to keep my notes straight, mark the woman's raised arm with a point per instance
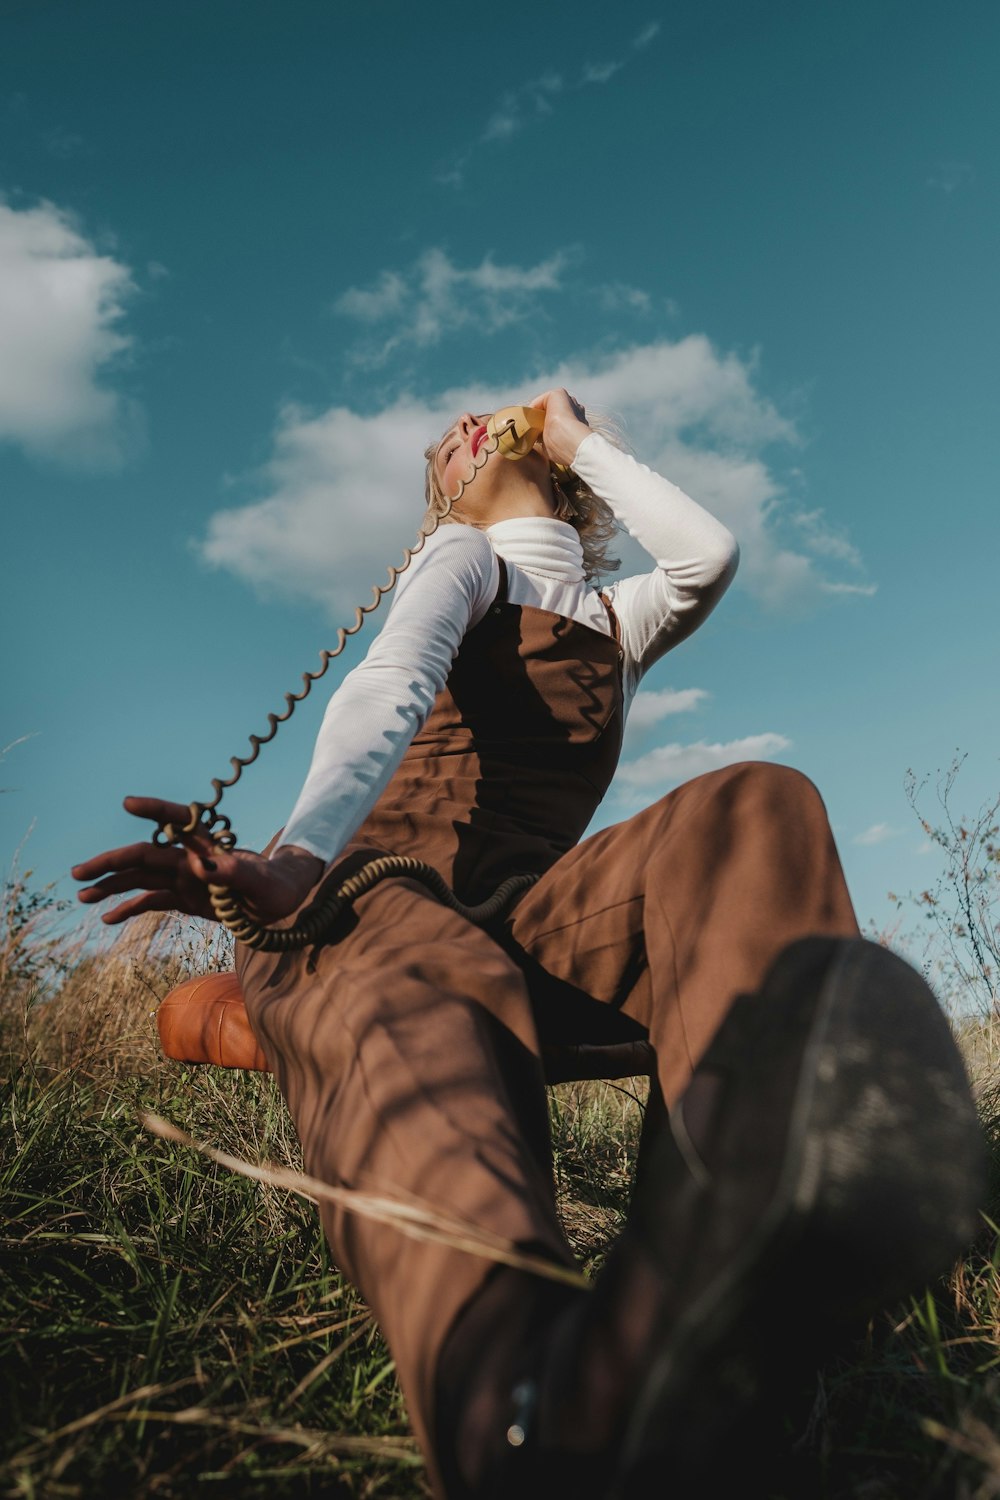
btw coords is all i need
(696, 555)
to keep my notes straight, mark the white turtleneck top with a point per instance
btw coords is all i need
(450, 584)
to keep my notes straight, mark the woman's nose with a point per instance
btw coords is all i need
(467, 424)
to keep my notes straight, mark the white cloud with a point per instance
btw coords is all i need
(64, 144)
(681, 388)
(877, 834)
(372, 304)
(823, 540)
(862, 590)
(668, 765)
(949, 176)
(529, 101)
(601, 72)
(650, 706)
(61, 308)
(344, 496)
(645, 36)
(343, 491)
(534, 100)
(435, 297)
(617, 295)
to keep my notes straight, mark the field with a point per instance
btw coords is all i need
(169, 1328)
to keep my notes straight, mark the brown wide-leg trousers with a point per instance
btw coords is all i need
(409, 1057)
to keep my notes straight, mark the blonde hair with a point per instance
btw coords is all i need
(590, 516)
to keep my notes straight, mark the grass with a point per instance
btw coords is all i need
(169, 1328)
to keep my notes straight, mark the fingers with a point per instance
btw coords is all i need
(147, 857)
(560, 408)
(157, 809)
(558, 394)
(128, 880)
(179, 814)
(167, 878)
(178, 874)
(159, 890)
(149, 901)
(201, 851)
(565, 425)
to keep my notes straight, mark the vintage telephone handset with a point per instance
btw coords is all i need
(513, 432)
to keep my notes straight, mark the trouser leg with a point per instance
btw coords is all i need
(666, 918)
(401, 1084)
(409, 1058)
(673, 913)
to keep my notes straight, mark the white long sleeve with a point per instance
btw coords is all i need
(696, 556)
(383, 702)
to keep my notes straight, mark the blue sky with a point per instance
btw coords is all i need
(253, 256)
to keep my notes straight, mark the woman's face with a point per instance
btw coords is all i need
(453, 461)
(497, 487)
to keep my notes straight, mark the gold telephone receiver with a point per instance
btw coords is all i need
(517, 430)
(512, 432)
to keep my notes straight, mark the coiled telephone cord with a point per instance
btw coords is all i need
(329, 906)
(333, 900)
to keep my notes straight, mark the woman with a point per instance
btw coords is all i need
(817, 1106)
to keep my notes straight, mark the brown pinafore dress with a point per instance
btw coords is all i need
(516, 754)
(406, 1048)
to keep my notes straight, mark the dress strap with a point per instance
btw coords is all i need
(616, 629)
(501, 593)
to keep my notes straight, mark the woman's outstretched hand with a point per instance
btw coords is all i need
(177, 879)
(565, 425)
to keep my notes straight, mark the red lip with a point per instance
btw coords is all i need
(478, 439)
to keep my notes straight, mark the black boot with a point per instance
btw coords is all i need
(843, 1167)
(837, 1166)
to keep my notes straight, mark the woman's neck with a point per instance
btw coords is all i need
(508, 491)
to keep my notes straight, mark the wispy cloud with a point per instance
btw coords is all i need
(535, 99)
(668, 765)
(648, 34)
(603, 72)
(949, 176)
(651, 706)
(381, 300)
(829, 543)
(617, 296)
(600, 72)
(824, 540)
(878, 833)
(65, 145)
(517, 107)
(860, 590)
(435, 297)
(62, 308)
